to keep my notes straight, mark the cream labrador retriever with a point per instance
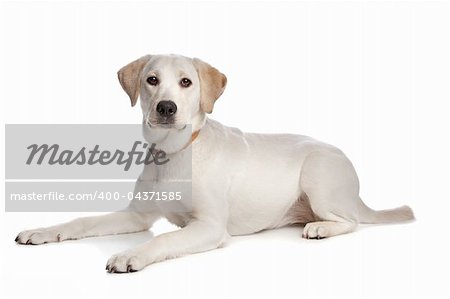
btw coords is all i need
(242, 183)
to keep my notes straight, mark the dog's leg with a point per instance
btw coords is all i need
(109, 224)
(197, 236)
(331, 184)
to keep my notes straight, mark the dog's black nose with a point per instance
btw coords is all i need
(166, 108)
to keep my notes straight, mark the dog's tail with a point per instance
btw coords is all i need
(400, 214)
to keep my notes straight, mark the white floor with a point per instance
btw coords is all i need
(396, 261)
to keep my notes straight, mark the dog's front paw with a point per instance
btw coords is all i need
(39, 236)
(125, 262)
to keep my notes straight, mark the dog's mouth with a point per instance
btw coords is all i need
(165, 125)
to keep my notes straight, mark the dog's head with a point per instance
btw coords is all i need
(174, 90)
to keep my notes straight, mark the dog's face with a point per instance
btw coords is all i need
(174, 90)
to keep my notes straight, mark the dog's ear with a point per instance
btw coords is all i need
(129, 77)
(212, 84)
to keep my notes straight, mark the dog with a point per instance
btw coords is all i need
(242, 183)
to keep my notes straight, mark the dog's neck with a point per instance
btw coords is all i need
(170, 141)
(193, 137)
(178, 154)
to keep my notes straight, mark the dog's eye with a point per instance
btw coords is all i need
(152, 80)
(185, 82)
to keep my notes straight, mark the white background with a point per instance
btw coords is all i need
(369, 77)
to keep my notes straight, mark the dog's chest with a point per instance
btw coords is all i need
(167, 187)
